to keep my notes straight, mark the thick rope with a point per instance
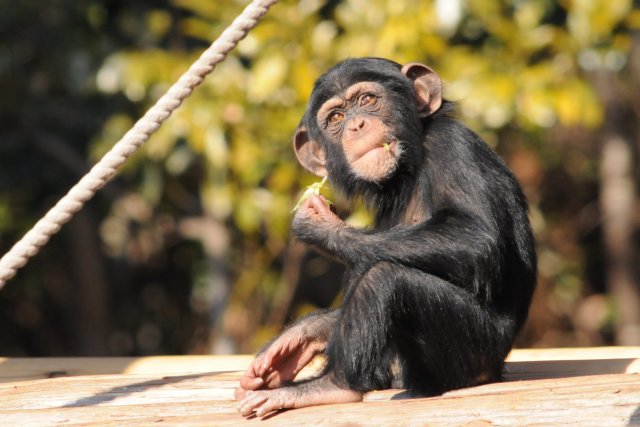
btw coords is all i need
(106, 168)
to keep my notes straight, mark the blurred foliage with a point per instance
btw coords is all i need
(193, 235)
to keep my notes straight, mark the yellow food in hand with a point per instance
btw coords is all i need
(311, 190)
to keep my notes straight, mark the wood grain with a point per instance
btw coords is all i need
(586, 387)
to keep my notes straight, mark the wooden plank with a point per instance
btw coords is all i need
(190, 393)
(206, 399)
(603, 360)
(574, 353)
(528, 364)
(14, 369)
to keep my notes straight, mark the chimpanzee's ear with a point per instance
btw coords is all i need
(427, 85)
(309, 153)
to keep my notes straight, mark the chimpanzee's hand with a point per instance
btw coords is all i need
(280, 362)
(315, 220)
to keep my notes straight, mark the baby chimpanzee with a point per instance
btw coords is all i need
(436, 291)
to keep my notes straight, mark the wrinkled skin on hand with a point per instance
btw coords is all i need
(314, 220)
(280, 362)
(267, 385)
(320, 391)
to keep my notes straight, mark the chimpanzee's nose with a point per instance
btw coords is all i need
(358, 124)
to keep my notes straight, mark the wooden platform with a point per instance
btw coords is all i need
(585, 387)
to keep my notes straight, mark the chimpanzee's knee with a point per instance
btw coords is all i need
(361, 349)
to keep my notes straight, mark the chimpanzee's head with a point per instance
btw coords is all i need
(363, 123)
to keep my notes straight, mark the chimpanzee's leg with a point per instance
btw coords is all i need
(404, 327)
(398, 327)
(361, 351)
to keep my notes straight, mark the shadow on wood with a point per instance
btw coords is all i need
(120, 391)
(20, 368)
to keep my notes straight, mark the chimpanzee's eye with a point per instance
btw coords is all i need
(335, 117)
(367, 99)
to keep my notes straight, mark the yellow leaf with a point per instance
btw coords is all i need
(266, 77)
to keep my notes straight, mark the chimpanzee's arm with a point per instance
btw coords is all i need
(446, 237)
(451, 241)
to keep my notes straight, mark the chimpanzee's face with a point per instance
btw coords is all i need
(356, 119)
(363, 123)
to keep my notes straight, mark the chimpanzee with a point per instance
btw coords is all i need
(437, 289)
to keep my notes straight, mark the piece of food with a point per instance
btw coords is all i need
(312, 189)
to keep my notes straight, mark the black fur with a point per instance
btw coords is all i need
(436, 305)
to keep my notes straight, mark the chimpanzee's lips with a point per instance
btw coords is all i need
(386, 147)
(378, 162)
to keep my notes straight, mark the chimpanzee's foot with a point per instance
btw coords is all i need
(320, 391)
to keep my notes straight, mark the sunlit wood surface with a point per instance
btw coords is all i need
(582, 387)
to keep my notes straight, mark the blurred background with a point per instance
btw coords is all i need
(188, 249)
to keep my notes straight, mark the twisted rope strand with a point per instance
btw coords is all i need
(106, 168)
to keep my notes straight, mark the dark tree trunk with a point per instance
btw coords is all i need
(89, 298)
